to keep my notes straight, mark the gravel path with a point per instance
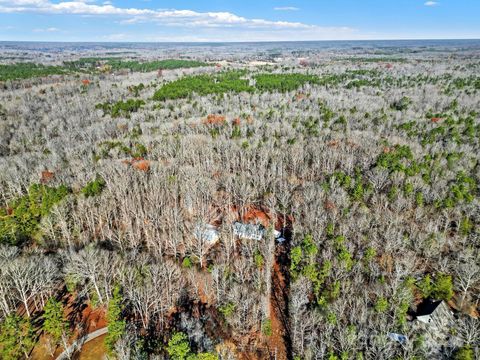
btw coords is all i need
(78, 343)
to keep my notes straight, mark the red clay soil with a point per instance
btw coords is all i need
(142, 165)
(258, 215)
(83, 320)
(93, 350)
(279, 343)
(46, 176)
(214, 119)
(138, 163)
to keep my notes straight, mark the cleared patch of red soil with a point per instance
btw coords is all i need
(142, 165)
(329, 205)
(279, 343)
(257, 215)
(214, 119)
(138, 163)
(83, 320)
(46, 176)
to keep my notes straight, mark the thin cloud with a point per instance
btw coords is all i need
(169, 17)
(205, 25)
(286, 8)
(431, 3)
(50, 29)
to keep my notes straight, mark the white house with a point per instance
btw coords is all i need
(248, 231)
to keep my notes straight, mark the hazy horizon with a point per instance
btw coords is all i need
(230, 21)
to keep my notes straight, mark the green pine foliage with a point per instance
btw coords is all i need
(178, 348)
(28, 70)
(204, 85)
(17, 337)
(133, 65)
(231, 81)
(381, 305)
(116, 324)
(19, 221)
(54, 323)
(443, 287)
(440, 288)
(267, 327)
(283, 82)
(94, 188)
(121, 108)
(464, 353)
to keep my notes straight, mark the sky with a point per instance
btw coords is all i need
(237, 20)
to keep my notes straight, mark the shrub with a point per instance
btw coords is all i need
(94, 188)
(465, 353)
(381, 305)
(258, 258)
(227, 309)
(187, 263)
(267, 327)
(402, 104)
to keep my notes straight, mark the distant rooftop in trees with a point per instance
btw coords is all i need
(248, 231)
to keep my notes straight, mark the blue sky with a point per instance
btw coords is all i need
(237, 20)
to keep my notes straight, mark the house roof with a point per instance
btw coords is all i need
(427, 307)
(248, 231)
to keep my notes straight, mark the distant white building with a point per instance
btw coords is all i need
(248, 231)
(253, 231)
(206, 232)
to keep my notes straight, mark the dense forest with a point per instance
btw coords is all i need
(317, 208)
